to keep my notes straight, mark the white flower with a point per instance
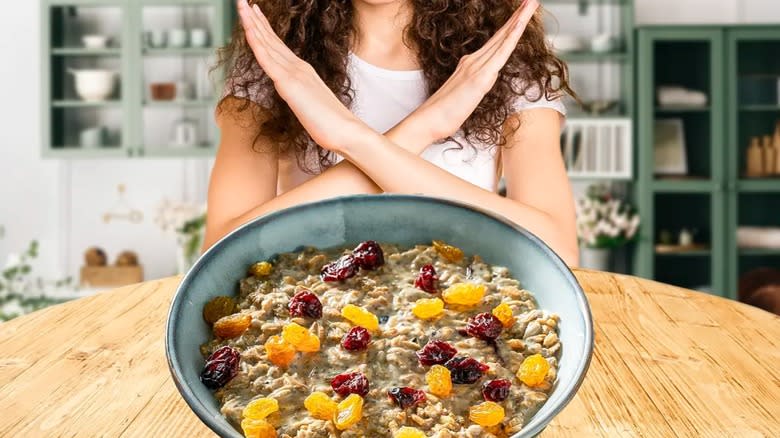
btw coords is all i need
(13, 260)
(172, 215)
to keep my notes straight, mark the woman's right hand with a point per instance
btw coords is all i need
(450, 106)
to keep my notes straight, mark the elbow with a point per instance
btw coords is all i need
(570, 255)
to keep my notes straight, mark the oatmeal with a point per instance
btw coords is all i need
(380, 341)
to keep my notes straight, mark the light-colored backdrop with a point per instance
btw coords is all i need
(60, 203)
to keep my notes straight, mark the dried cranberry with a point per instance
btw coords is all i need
(406, 397)
(427, 279)
(305, 303)
(484, 326)
(344, 267)
(350, 383)
(220, 367)
(496, 390)
(369, 255)
(357, 338)
(465, 369)
(436, 352)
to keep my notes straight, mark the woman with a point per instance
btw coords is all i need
(433, 97)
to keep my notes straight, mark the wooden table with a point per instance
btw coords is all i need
(667, 362)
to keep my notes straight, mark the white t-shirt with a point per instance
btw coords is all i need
(383, 97)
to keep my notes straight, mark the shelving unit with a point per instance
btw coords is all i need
(134, 122)
(715, 198)
(615, 161)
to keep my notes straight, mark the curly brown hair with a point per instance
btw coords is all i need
(441, 31)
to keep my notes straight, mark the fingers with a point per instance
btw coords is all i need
(504, 50)
(272, 39)
(269, 59)
(501, 34)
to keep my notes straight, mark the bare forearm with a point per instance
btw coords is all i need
(342, 179)
(421, 177)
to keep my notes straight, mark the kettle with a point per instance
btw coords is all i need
(184, 133)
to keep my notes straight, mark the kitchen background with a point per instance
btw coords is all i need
(679, 98)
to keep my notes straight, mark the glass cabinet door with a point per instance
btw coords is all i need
(84, 52)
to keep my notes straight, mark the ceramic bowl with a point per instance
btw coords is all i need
(603, 43)
(95, 41)
(566, 43)
(404, 220)
(94, 85)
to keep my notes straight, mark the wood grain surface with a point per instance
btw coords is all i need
(668, 362)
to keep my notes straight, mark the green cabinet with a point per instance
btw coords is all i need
(711, 198)
(131, 121)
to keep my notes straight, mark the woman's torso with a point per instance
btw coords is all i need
(382, 98)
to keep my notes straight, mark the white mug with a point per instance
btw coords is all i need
(199, 37)
(92, 137)
(156, 38)
(183, 90)
(177, 38)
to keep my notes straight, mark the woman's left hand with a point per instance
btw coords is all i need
(446, 110)
(324, 117)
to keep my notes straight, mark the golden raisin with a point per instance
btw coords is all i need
(439, 381)
(504, 314)
(348, 412)
(360, 316)
(450, 253)
(465, 294)
(232, 326)
(279, 351)
(427, 308)
(261, 269)
(409, 432)
(486, 413)
(320, 406)
(260, 408)
(257, 428)
(218, 307)
(300, 338)
(533, 370)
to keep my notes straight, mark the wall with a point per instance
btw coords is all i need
(29, 201)
(60, 203)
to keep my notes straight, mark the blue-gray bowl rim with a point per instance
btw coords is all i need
(533, 428)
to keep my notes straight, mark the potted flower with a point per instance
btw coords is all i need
(603, 224)
(188, 222)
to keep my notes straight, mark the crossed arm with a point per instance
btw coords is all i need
(243, 183)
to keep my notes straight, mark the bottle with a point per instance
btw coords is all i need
(754, 168)
(777, 149)
(768, 156)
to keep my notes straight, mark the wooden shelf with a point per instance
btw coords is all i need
(681, 109)
(169, 151)
(759, 185)
(759, 251)
(179, 103)
(695, 249)
(69, 103)
(683, 185)
(180, 51)
(83, 51)
(594, 56)
(71, 151)
(757, 108)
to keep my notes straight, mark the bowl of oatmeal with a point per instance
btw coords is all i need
(389, 315)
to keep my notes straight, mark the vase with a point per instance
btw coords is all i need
(595, 258)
